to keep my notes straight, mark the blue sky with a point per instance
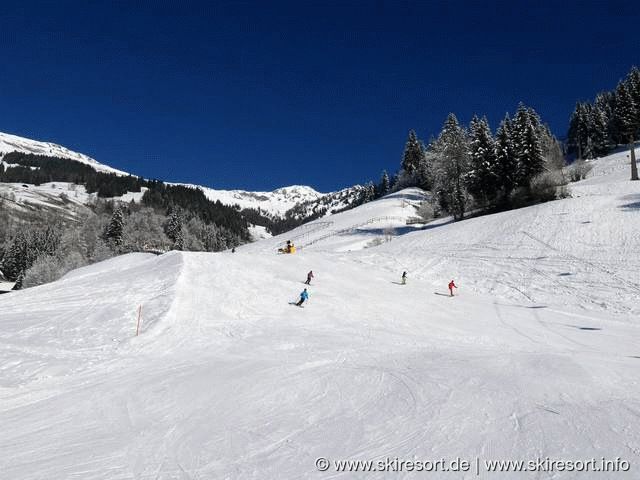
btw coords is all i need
(259, 95)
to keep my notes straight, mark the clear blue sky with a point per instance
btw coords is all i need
(259, 95)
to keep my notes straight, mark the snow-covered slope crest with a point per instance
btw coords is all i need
(367, 225)
(13, 143)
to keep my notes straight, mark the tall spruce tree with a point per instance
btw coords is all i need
(414, 170)
(174, 228)
(633, 86)
(527, 146)
(384, 184)
(627, 120)
(506, 164)
(601, 121)
(481, 178)
(413, 154)
(115, 228)
(451, 156)
(576, 131)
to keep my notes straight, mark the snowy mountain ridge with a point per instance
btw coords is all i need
(13, 143)
(275, 203)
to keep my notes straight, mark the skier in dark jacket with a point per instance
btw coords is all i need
(309, 277)
(404, 277)
(303, 296)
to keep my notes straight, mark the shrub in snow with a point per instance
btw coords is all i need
(427, 211)
(548, 186)
(49, 268)
(578, 170)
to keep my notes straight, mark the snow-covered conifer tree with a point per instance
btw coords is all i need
(506, 164)
(384, 184)
(482, 177)
(527, 146)
(451, 156)
(414, 168)
(627, 119)
(115, 228)
(174, 228)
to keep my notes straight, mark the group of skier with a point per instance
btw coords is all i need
(452, 284)
(304, 295)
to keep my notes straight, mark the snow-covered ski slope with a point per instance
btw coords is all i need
(536, 358)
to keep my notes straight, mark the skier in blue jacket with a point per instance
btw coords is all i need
(303, 296)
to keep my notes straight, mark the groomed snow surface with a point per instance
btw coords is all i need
(535, 359)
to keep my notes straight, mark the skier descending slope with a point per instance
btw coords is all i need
(451, 287)
(309, 277)
(404, 278)
(304, 295)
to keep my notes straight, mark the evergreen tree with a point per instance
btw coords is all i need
(633, 86)
(627, 121)
(413, 154)
(527, 146)
(15, 258)
(601, 121)
(506, 164)
(19, 281)
(482, 178)
(625, 113)
(115, 228)
(384, 184)
(589, 133)
(575, 135)
(451, 154)
(174, 228)
(414, 169)
(26, 247)
(551, 149)
(368, 192)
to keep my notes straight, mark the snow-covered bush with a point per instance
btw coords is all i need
(549, 186)
(51, 267)
(427, 211)
(578, 170)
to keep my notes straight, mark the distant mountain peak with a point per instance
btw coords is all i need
(306, 200)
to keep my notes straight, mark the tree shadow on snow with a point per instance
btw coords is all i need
(519, 306)
(630, 206)
(633, 205)
(587, 329)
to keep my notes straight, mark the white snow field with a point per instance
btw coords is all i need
(536, 358)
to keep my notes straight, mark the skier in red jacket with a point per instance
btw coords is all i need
(451, 287)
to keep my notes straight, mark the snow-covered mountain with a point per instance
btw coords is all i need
(278, 202)
(273, 204)
(535, 360)
(12, 143)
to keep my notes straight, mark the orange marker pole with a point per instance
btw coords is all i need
(138, 325)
